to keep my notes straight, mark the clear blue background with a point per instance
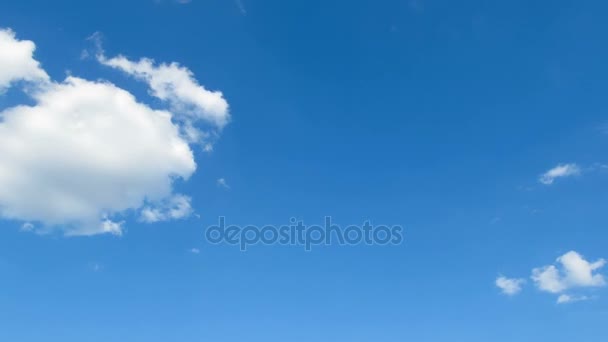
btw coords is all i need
(436, 115)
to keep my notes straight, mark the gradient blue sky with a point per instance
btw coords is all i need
(436, 115)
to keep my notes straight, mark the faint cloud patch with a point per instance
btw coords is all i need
(416, 5)
(27, 227)
(599, 167)
(221, 182)
(241, 6)
(208, 148)
(564, 299)
(176, 207)
(95, 267)
(524, 188)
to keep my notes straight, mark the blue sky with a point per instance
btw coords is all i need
(480, 127)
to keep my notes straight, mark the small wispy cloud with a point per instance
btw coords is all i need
(564, 299)
(509, 286)
(599, 167)
(175, 208)
(495, 220)
(208, 148)
(27, 227)
(194, 251)
(560, 171)
(241, 6)
(221, 182)
(95, 267)
(416, 5)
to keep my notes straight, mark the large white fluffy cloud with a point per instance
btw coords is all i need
(572, 271)
(17, 62)
(88, 152)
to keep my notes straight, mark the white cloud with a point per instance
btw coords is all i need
(17, 62)
(208, 148)
(560, 171)
(221, 182)
(510, 286)
(87, 152)
(175, 84)
(570, 272)
(195, 251)
(548, 279)
(176, 207)
(107, 227)
(573, 272)
(563, 299)
(27, 227)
